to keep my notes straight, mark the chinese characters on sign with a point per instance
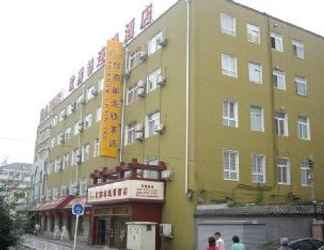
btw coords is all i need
(146, 17)
(130, 31)
(111, 100)
(128, 189)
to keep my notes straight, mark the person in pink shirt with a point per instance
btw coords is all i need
(212, 244)
(219, 241)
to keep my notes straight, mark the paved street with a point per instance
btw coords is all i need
(44, 244)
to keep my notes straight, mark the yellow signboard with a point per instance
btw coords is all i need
(111, 100)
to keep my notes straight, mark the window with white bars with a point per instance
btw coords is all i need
(131, 95)
(130, 133)
(283, 166)
(303, 127)
(67, 135)
(152, 123)
(152, 80)
(96, 149)
(231, 165)
(279, 79)
(281, 121)
(253, 34)
(298, 48)
(255, 73)
(305, 173)
(229, 65)
(230, 113)
(277, 42)
(257, 120)
(85, 156)
(154, 44)
(228, 24)
(301, 86)
(258, 168)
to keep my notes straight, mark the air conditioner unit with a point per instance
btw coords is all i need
(73, 190)
(140, 84)
(167, 175)
(163, 42)
(166, 230)
(139, 128)
(142, 56)
(139, 136)
(162, 81)
(94, 92)
(140, 92)
(159, 128)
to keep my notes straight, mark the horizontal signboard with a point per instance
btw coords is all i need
(127, 190)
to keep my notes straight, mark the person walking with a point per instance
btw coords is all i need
(237, 245)
(212, 243)
(219, 241)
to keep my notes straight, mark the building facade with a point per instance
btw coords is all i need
(229, 98)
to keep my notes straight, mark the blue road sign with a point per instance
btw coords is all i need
(78, 209)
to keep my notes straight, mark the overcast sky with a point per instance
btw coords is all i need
(44, 42)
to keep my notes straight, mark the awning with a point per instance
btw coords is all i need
(82, 200)
(56, 204)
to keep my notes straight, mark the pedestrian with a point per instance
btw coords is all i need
(219, 241)
(212, 243)
(284, 244)
(236, 244)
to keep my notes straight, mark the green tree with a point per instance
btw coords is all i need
(9, 227)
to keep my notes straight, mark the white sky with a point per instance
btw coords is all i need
(44, 42)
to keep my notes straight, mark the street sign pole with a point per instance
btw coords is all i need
(76, 231)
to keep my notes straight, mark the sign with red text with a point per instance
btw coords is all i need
(127, 190)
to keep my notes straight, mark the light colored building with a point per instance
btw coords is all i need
(229, 98)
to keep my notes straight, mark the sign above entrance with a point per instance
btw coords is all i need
(127, 190)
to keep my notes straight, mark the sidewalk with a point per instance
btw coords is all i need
(42, 243)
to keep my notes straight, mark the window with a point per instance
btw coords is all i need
(49, 194)
(55, 193)
(67, 135)
(152, 122)
(277, 42)
(62, 115)
(64, 191)
(283, 171)
(228, 24)
(70, 109)
(281, 120)
(253, 34)
(256, 115)
(305, 173)
(96, 148)
(91, 93)
(131, 95)
(98, 114)
(301, 86)
(135, 58)
(58, 165)
(66, 160)
(303, 127)
(258, 168)
(255, 73)
(83, 187)
(54, 120)
(75, 157)
(231, 165)
(229, 65)
(298, 48)
(279, 79)
(80, 100)
(53, 141)
(60, 139)
(85, 155)
(154, 44)
(77, 128)
(88, 121)
(50, 168)
(101, 84)
(153, 79)
(230, 114)
(130, 133)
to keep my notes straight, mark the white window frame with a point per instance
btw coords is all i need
(255, 115)
(88, 120)
(151, 122)
(301, 86)
(305, 174)
(283, 167)
(280, 121)
(83, 188)
(85, 152)
(229, 65)
(259, 171)
(230, 118)
(227, 167)
(228, 24)
(96, 148)
(278, 39)
(303, 128)
(253, 33)
(279, 79)
(152, 80)
(255, 73)
(299, 49)
(131, 95)
(153, 45)
(130, 132)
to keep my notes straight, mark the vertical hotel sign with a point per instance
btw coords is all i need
(111, 100)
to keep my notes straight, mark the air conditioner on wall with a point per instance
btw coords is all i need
(139, 127)
(166, 230)
(162, 81)
(94, 92)
(142, 56)
(163, 42)
(159, 128)
(140, 91)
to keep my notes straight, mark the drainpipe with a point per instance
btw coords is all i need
(122, 126)
(188, 2)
